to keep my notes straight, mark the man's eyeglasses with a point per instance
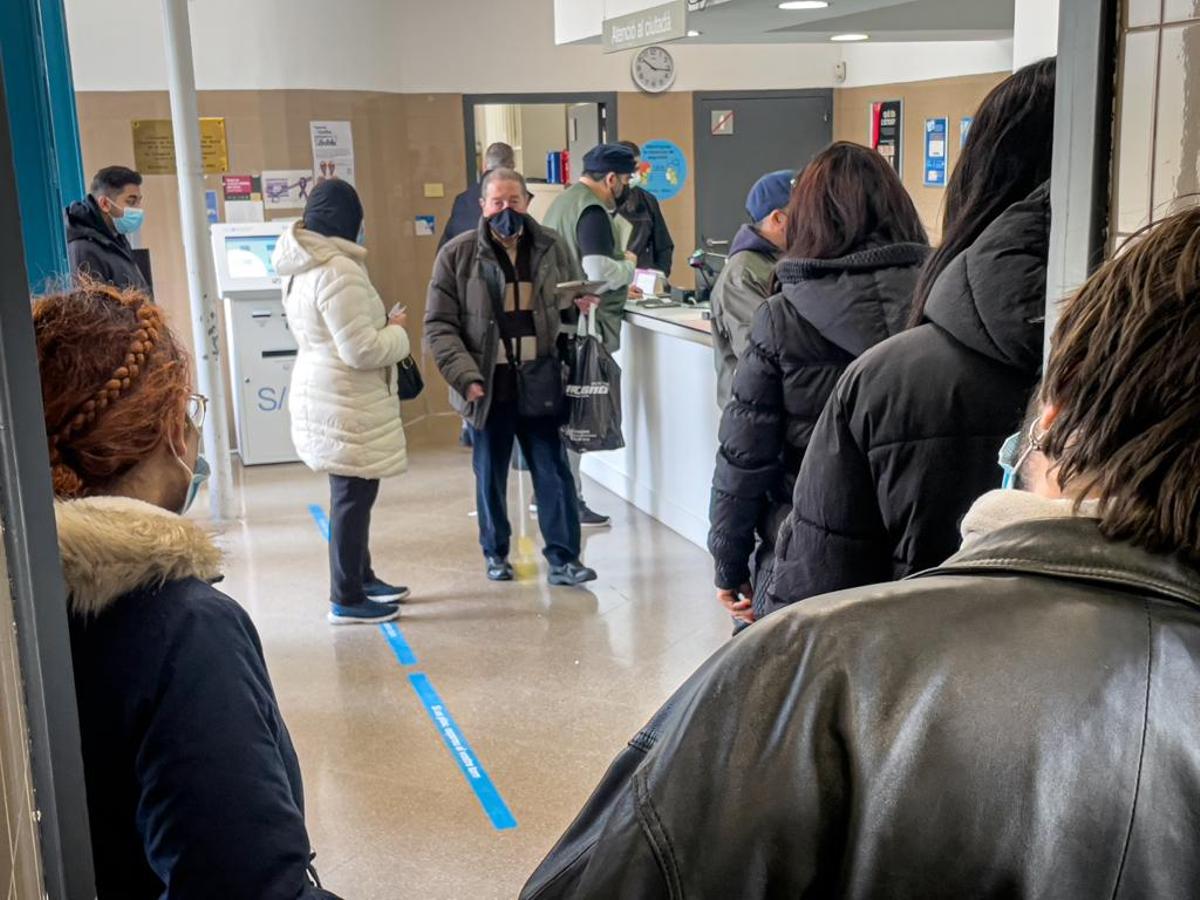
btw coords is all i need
(197, 410)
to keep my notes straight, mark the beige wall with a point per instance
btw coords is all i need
(949, 97)
(402, 142)
(644, 117)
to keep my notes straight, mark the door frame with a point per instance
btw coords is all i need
(35, 578)
(1081, 176)
(699, 98)
(606, 99)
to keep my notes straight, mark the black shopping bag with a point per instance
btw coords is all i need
(593, 396)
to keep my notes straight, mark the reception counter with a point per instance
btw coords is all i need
(670, 416)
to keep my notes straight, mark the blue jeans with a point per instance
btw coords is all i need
(553, 486)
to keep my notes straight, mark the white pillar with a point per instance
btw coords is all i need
(201, 277)
(1035, 31)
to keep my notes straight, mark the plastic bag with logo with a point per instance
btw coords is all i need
(593, 396)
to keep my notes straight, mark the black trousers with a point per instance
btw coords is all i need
(350, 502)
(553, 487)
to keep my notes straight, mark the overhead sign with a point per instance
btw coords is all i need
(154, 146)
(887, 132)
(936, 134)
(655, 25)
(664, 169)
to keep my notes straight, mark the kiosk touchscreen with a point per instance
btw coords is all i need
(262, 350)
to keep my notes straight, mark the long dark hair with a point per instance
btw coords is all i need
(848, 197)
(1007, 156)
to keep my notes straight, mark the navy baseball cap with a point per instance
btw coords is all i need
(605, 158)
(771, 192)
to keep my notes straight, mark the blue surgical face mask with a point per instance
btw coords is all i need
(199, 476)
(1013, 454)
(507, 223)
(130, 221)
(1010, 455)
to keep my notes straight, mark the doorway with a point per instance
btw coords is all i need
(742, 135)
(537, 125)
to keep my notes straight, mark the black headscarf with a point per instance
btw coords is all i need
(334, 210)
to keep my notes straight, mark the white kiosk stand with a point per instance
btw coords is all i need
(262, 350)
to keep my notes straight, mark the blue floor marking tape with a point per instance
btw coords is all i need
(321, 519)
(391, 631)
(477, 777)
(399, 645)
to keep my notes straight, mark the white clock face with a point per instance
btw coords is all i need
(653, 69)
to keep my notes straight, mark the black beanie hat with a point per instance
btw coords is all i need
(334, 210)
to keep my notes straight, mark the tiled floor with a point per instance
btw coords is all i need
(546, 684)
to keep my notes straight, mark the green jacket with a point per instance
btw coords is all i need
(741, 288)
(563, 217)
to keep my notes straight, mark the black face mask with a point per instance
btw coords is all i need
(507, 223)
(621, 194)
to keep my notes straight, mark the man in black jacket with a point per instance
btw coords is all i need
(651, 240)
(99, 226)
(464, 215)
(1020, 722)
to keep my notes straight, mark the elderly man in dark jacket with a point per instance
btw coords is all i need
(909, 436)
(98, 229)
(1019, 722)
(492, 312)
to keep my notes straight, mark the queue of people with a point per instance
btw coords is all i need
(1005, 720)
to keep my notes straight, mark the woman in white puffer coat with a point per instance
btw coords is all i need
(343, 402)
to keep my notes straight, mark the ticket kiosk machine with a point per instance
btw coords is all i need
(262, 350)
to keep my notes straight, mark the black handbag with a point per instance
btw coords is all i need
(409, 382)
(541, 383)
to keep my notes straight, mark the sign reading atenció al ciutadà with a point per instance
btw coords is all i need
(667, 22)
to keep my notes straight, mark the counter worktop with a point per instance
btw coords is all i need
(686, 322)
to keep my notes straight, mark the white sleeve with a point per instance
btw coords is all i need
(615, 274)
(352, 314)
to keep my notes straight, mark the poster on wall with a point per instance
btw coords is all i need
(887, 132)
(287, 188)
(936, 151)
(663, 169)
(333, 150)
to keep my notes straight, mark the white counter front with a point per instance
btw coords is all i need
(670, 419)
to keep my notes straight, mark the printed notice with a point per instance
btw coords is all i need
(333, 150)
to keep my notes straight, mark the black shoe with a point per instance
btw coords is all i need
(382, 592)
(572, 574)
(589, 518)
(499, 569)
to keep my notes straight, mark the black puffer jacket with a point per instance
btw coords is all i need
(1019, 724)
(910, 437)
(96, 251)
(801, 340)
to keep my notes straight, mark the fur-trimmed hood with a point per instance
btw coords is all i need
(111, 546)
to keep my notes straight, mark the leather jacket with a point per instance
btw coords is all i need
(1023, 721)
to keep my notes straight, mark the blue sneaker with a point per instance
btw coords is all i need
(369, 613)
(382, 592)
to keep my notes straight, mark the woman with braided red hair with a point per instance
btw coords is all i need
(192, 781)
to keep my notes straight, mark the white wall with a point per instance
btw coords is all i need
(868, 64)
(117, 45)
(454, 46)
(1035, 31)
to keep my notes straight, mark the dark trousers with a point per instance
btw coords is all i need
(350, 502)
(558, 510)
